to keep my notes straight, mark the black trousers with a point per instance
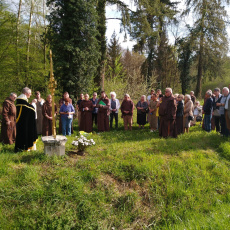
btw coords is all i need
(217, 123)
(94, 117)
(113, 115)
(224, 129)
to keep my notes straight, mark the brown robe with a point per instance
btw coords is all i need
(47, 123)
(127, 105)
(61, 102)
(86, 123)
(8, 114)
(39, 116)
(103, 115)
(167, 113)
(153, 119)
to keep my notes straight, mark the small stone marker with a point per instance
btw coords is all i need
(54, 146)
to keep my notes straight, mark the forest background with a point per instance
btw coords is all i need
(85, 60)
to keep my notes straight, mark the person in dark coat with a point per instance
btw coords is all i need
(94, 113)
(142, 107)
(47, 116)
(26, 128)
(180, 114)
(103, 113)
(86, 108)
(167, 112)
(9, 120)
(207, 111)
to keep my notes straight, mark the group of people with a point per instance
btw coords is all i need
(170, 114)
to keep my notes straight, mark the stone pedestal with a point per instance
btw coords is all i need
(53, 146)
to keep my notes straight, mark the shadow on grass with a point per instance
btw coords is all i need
(224, 150)
(7, 149)
(33, 157)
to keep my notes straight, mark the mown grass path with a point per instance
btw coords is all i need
(129, 180)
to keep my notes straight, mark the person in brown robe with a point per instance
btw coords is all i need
(86, 108)
(61, 102)
(127, 108)
(167, 112)
(103, 113)
(9, 120)
(47, 116)
(153, 119)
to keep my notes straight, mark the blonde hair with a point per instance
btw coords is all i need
(176, 95)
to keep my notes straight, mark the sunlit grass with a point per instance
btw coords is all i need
(128, 180)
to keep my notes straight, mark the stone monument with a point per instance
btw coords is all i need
(55, 144)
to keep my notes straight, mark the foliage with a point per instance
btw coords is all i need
(210, 38)
(185, 62)
(72, 36)
(100, 8)
(16, 71)
(149, 28)
(114, 68)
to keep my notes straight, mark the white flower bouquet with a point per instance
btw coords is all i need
(82, 142)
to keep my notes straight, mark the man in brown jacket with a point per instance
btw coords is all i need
(167, 112)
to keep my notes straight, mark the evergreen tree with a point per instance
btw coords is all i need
(72, 35)
(149, 28)
(209, 32)
(100, 7)
(114, 57)
(185, 62)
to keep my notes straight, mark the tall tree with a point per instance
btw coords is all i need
(149, 28)
(114, 57)
(185, 62)
(209, 32)
(100, 7)
(72, 36)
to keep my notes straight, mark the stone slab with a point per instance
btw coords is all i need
(54, 147)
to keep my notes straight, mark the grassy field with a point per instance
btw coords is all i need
(128, 180)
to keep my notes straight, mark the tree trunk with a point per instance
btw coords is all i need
(201, 53)
(17, 34)
(101, 39)
(44, 24)
(29, 40)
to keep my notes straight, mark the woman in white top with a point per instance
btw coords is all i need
(114, 108)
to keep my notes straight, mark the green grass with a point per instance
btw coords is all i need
(128, 180)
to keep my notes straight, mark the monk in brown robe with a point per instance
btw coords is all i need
(9, 120)
(86, 108)
(167, 112)
(61, 102)
(103, 113)
(47, 116)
